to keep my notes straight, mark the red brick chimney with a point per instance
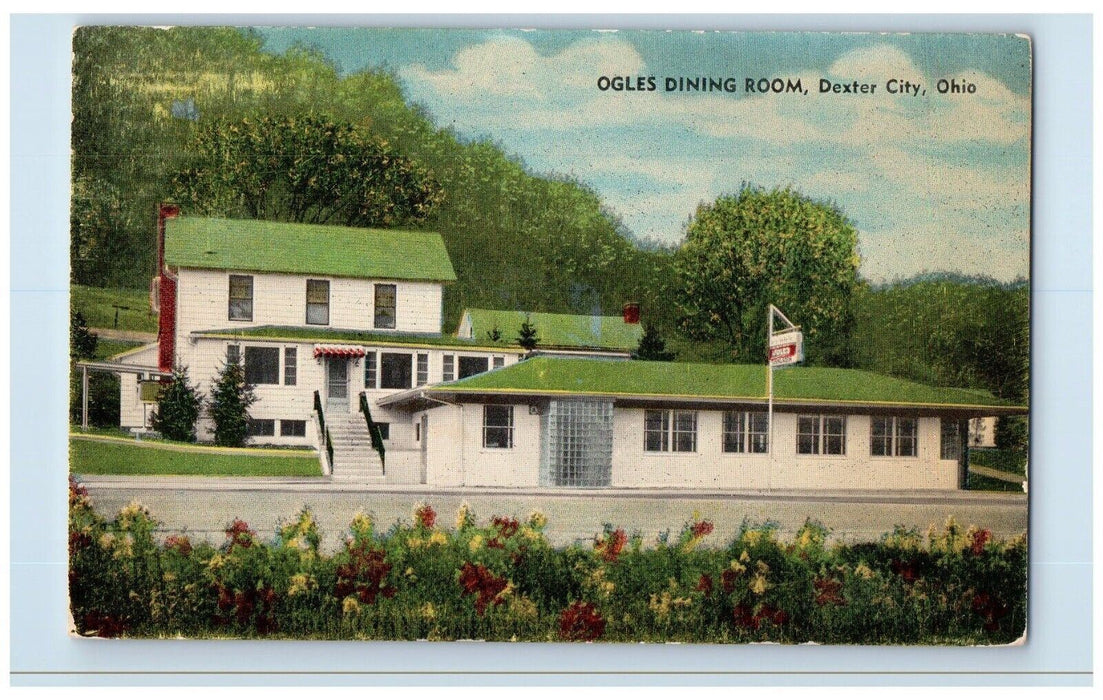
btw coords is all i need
(632, 312)
(166, 294)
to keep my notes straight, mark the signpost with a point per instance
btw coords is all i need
(783, 347)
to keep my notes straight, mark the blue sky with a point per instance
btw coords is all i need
(932, 183)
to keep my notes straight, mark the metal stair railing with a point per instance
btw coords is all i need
(322, 429)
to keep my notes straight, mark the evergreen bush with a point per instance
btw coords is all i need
(178, 409)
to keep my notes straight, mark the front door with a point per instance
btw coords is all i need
(337, 383)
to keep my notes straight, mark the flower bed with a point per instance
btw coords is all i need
(503, 581)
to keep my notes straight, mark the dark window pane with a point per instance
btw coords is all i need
(241, 298)
(262, 365)
(950, 437)
(907, 431)
(685, 431)
(880, 438)
(261, 428)
(396, 371)
(473, 365)
(385, 310)
(656, 426)
(233, 354)
(759, 432)
(293, 428)
(498, 426)
(733, 431)
(317, 302)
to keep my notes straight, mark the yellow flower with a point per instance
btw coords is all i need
(350, 605)
(301, 583)
(361, 525)
(131, 513)
(752, 537)
(216, 561)
(293, 543)
(107, 540)
(475, 543)
(762, 567)
(607, 588)
(428, 612)
(759, 585)
(737, 567)
(530, 534)
(537, 520)
(465, 517)
(744, 557)
(863, 571)
(438, 537)
(410, 573)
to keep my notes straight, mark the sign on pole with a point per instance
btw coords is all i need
(786, 347)
(783, 347)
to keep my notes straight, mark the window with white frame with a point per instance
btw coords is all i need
(497, 426)
(449, 368)
(499, 362)
(893, 436)
(669, 431)
(317, 302)
(290, 366)
(262, 365)
(370, 381)
(950, 439)
(746, 431)
(385, 305)
(422, 368)
(241, 298)
(233, 354)
(292, 428)
(821, 435)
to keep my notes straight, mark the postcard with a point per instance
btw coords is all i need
(550, 335)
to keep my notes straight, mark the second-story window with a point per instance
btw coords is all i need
(385, 312)
(317, 302)
(241, 298)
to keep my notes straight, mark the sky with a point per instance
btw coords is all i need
(932, 182)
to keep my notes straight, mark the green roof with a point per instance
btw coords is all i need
(633, 378)
(306, 249)
(560, 330)
(337, 335)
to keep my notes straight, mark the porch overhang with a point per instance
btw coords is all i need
(345, 351)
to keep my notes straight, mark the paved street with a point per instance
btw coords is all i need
(204, 506)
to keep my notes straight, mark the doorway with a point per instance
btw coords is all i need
(337, 383)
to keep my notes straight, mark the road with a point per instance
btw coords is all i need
(203, 507)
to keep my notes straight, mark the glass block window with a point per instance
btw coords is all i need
(370, 378)
(292, 428)
(498, 427)
(422, 368)
(262, 365)
(449, 367)
(241, 297)
(577, 445)
(821, 435)
(385, 305)
(317, 302)
(950, 439)
(746, 431)
(290, 366)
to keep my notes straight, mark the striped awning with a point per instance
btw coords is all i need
(338, 351)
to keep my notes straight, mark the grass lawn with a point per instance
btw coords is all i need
(98, 306)
(1004, 460)
(159, 458)
(978, 482)
(106, 348)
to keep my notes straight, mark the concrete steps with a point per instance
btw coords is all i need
(354, 458)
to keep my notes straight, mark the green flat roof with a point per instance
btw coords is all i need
(633, 378)
(306, 249)
(344, 336)
(560, 330)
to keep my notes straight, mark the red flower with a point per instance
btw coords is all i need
(702, 528)
(103, 625)
(828, 591)
(507, 527)
(991, 608)
(178, 543)
(477, 580)
(78, 541)
(364, 574)
(611, 547)
(581, 622)
(239, 534)
(495, 543)
(906, 570)
(980, 538)
(426, 516)
(744, 617)
(727, 580)
(773, 615)
(704, 584)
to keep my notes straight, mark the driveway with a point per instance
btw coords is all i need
(204, 506)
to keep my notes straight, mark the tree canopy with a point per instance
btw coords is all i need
(758, 247)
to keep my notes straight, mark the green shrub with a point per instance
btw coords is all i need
(229, 406)
(178, 408)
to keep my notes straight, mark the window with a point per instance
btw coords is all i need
(821, 435)
(317, 302)
(241, 298)
(665, 431)
(233, 354)
(893, 437)
(264, 427)
(499, 362)
(293, 428)
(384, 430)
(385, 306)
(396, 371)
(449, 367)
(498, 427)
(950, 439)
(369, 370)
(473, 365)
(262, 365)
(746, 431)
(422, 368)
(290, 367)
(656, 431)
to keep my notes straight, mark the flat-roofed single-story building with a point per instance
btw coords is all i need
(565, 422)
